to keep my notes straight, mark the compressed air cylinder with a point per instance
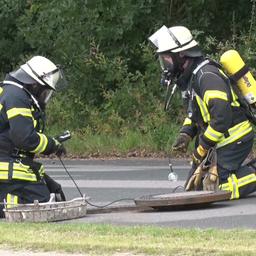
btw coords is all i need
(233, 63)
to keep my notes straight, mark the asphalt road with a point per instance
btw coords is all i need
(105, 181)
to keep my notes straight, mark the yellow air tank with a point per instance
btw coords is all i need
(233, 64)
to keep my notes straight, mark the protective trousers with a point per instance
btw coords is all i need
(52, 185)
(15, 191)
(22, 192)
(239, 180)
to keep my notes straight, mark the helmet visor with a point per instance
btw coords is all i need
(56, 78)
(41, 93)
(45, 96)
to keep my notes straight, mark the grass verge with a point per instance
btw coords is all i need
(95, 239)
(130, 143)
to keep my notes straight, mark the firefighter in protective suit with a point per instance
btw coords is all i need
(23, 96)
(215, 115)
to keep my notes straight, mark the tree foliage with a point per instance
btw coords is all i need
(102, 44)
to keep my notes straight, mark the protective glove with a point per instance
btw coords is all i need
(59, 149)
(181, 143)
(195, 180)
(198, 155)
(211, 179)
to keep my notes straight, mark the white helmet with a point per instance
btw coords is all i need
(40, 77)
(174, 39)
(43, 71)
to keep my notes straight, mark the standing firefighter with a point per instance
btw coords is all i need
(23, 97)
(215, 115)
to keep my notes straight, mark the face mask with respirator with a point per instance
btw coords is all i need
(172, 67)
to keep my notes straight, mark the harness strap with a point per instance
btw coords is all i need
(10, 171)
(240, 73)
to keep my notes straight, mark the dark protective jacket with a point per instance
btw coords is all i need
(216, 111)
(219, 120)
(20, 133)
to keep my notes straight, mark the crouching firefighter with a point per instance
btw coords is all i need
(23, 97)
(215, 115)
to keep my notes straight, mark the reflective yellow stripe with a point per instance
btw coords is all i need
(221, 71)
(187, 121)
(224, 186)
(234, 103)
(203, 109)
(214, 94)
(11, 200)
(232, 186)
(23, 176)
(1, 106)
(34, 122)
(212, 134)
(201, 151)
(42, 144)
(235, 191)
(4, 166)
(21, 167)
(235, 133)
(246, 180)
(20, 172)
(1, 90)
(19, 111)
(41, 171)
(3, 175)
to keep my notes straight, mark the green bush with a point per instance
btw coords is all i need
(114, 100)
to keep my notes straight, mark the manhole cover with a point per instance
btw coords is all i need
(189, 198)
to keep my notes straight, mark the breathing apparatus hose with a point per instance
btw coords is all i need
(88, 202)
(169, 95)
(70, 176)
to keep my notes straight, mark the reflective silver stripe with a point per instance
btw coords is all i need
(200, 66)
(21, 87)
(13, 83)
